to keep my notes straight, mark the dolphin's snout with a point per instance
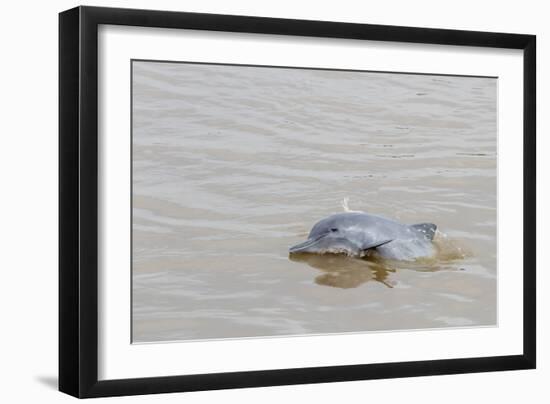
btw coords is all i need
(305, 246)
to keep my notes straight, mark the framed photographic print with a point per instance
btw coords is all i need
(249, 201)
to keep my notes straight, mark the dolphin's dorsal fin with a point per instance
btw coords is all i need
(427, 229)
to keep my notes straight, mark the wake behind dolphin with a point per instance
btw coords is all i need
(359, 233)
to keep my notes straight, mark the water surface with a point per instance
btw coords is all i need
(233, 164)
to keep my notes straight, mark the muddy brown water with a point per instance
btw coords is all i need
(232, 165)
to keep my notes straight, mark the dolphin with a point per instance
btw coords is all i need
(358, 234)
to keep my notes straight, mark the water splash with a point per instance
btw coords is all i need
(449, 249)
(345, 205)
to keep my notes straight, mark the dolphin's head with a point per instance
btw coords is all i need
(327, 236)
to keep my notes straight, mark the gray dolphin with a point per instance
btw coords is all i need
(358, 233)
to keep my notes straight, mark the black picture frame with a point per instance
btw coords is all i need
(78, 200)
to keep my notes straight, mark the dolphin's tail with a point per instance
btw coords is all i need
(427, 229)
